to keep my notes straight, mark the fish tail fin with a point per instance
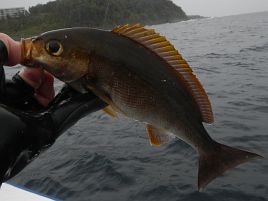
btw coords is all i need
(212, 165)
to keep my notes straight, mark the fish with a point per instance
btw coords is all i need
(141, 75)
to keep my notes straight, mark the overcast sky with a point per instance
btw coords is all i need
(198, 7)
(222, 7)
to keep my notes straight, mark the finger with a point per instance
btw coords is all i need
(45, 93)
(32, 76)
(13, 48)
(42, 100)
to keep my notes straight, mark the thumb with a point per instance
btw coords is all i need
(13, 49)
(45, 93)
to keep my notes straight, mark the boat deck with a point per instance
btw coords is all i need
(14, 193)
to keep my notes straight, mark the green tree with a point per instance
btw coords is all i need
(91, 13)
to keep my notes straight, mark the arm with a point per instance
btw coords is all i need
(29, 134)
(28, 129)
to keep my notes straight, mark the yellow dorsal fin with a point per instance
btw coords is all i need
(164, 49)
(157, 136)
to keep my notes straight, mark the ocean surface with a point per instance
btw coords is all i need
(105, 159)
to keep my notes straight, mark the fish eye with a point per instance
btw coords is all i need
(54, 48)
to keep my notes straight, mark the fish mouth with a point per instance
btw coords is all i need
(28, 52)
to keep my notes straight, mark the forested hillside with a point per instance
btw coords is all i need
(92, 13)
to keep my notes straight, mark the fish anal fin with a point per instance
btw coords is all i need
(161, 47)
(110, 111)
(157, 136)
(215, 163)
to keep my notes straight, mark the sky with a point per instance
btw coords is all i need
(215, 8)
(210, 8)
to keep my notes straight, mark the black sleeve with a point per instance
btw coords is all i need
(27, 134)
(27, 128)
(3, 60)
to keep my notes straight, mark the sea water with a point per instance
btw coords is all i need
(106, 159)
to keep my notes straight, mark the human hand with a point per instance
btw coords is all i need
(40, 80)
(24, 135)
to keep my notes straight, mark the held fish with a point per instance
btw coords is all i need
(141, 75)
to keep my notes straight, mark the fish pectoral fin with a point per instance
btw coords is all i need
(107, 99)
(101, 94)
(110, 111)
(157, 136)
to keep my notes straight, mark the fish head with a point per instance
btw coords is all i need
(59, 53)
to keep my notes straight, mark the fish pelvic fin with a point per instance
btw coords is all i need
(212, 165)
(158, 136)
(109, 110)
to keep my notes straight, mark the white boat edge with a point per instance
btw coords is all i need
(10, 192)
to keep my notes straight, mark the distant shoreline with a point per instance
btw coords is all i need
(193, 17)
